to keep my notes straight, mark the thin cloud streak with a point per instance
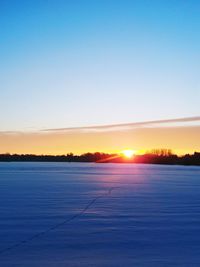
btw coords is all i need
(181, 139)
(125, 126)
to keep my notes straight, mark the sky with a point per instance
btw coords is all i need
(180, 135)
(83, 63)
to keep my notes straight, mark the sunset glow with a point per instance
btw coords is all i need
(128, 153)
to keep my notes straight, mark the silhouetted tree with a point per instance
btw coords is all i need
(156, 156)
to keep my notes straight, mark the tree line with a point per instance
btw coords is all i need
(157, 156)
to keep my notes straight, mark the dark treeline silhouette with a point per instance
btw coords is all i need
(87, 157)
(157, 156)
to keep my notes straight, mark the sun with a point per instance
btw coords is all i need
(128, 153)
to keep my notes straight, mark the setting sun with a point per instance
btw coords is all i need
(128, 153)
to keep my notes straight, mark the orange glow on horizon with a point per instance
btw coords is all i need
(181, 140)
(128, 153)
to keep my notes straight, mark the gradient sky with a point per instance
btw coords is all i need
(84, 63)
(79, 63)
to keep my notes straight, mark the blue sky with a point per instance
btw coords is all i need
(81, 63)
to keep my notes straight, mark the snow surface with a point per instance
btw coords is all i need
(69, 214)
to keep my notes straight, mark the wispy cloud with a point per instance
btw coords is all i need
(11, 132)
(128, 126)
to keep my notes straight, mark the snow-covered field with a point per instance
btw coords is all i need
(68, 214)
